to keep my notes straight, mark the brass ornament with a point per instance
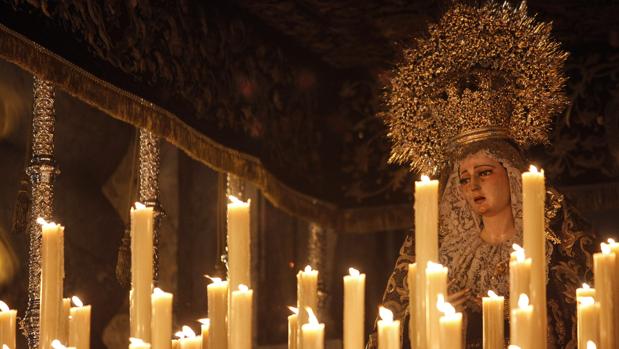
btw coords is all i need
(484, 72)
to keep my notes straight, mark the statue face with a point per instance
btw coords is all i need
(484, 184)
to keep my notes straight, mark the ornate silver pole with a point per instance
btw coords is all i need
(148, 192)
(42, 171)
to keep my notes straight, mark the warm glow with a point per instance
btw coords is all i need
(425, 179)
(533, 169)
(611, 241)
(158, 292)
(180, 334)
(440, 302)
(511, 346)
(586, 300)
(605, 248)
(353, 272)
(243, 288)
(518, 252)
(139, 206)
(234, 201)
(213, 279)
(188, 332)
(4, 346)
(41, 221)
(4, 306)
(308, 268)
(205, 322)
(448, 309)
(293, 310)
(434, 267)
(134, 340)
(77, 301)
(312, 318)
(591, 345)
(385, 314)
(523, 301)
(57, 345)
(491, 294)
(586, 286)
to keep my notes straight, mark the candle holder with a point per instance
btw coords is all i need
(42, 171)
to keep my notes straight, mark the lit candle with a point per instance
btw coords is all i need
(412, 303)
(137, 343)
(241, 318)
(205, 327)
(493, 331)
(79, 324)
(519, 275)
(426, 248)
(307, 296)
(189, 340)
(161, 322)
(63, 331)
(56, 344)
(388, 330)
(533, 201)
(217, 294)
(175, 344)
(238, 243)
(7, 325)
(436, 284)
(450, 327)
(141, 270)
(522, 324)
(591, 345)
(604, 272)
(52, 274)
(585, 291)
(313, 332)
(293, 325)
(588, 315)
(354, 309)
(614, 247)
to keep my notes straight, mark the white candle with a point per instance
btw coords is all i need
(426, 247)
(63, 331)
(190, 340)
(493, 322)
(614, 247)
(436, 284)
(137, 343)
(241, 318)
(239, 254)
(533, 217)
(141, 270)
(293, 328)
(585, 291)
(161, 321)
(519, 275)
(412, 303)
(450, 328)
(176, 344)
(354, 309)
(591, 345)
(56, 344)
(307, 296)
(522, 324)
(79, 325)
(588, 314)
(604, 272)
(388, 330)
(205, 327)
(313, 332)
(52, 273)
(217, 293)
(7, 325)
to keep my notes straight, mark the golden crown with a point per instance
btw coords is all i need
(482, 73)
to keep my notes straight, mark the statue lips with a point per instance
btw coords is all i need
(479, 199)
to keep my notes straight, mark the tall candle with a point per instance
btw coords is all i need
(293, 330)
(63, 322)
(588, 315)
(493, 322)
(79, 325)
(354, 309)
(436, 284)
(614, 247)
(533, 201)
(161, 322)
(52, 272)
(7, 325)
(206, 328)
(522, 324)
(190, 340)
(603, 272)
(141, 270)
(412, 303)
(307, 296)
(241, 318)
(426, 246)
(239, 255)
(137, 343)
(450, 328)
(313, 332)
(217, 294)
(388, 330)
(519, 275)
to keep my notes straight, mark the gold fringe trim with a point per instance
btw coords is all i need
(141, 113)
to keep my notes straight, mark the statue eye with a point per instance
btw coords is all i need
(464, 181)
(485, 173)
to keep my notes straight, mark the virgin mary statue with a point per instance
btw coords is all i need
(483, 85)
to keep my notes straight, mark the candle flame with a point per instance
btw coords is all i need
(512, 346)
(41, 221)
(293, 310)
(179, 334)
(77, 301)
(586, 300)
(385, 314)
(312, 317)
(591, 345)
(440, 302)
(57, 345)
(523, 301)
(4, 306)
(4, 346)
(308, 268)
(605, 248)
(448, 309)
(243, 288)
(139, 206)
(434, 267)
(585, 286)
(134, 340)
(492, 294)
(518, 252)
(206, 322)
(236, 201)
(157, 291)
(611, 241)
(188, 332)
(425, 178)
(353, 272)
